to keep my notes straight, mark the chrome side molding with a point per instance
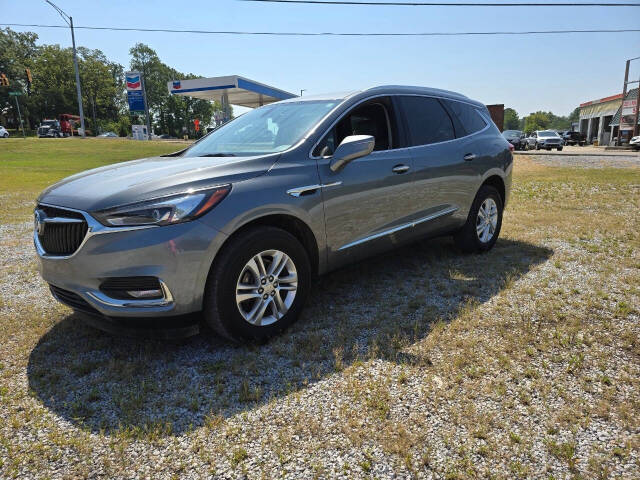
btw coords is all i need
(433, 216)
(300, 191)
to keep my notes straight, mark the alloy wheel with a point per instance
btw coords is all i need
(266, 287)
(487, 220)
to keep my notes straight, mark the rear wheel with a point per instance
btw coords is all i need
(559, 149)
(258, 285)
(480, 232)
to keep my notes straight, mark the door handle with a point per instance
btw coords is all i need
(400, 168)
(469, 156)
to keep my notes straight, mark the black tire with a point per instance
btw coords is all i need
(559, 149)
(222, 313)
(466, 238)
(537, 147)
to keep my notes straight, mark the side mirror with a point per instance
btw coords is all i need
(352, 147)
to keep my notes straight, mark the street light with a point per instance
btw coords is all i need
(303, 90)
(69, 21)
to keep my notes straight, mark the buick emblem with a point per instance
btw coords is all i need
(38, 223)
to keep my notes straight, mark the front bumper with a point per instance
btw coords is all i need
(178, 255)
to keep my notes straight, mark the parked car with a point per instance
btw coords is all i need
(574, 138)
(3, 132)
(50, 128)
(235, 227)
(635, 143)
(515, 138)
(108, 135)
(547, 139)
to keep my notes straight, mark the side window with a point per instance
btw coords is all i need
(427, 120)
(373, 118)
(468, 116)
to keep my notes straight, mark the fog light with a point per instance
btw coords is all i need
(145, 293)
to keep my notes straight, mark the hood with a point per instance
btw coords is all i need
(139, 180)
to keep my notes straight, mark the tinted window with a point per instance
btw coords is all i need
(469, 118)
(427, 120)
(371, 118)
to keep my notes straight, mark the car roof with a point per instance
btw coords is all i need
(387, 90)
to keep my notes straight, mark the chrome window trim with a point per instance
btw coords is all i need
(404, 226)
(333, 124)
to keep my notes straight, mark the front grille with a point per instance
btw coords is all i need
(62, 238)
(72, 300)
(117, 287)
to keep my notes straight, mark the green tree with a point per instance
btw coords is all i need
(574, 116)
(17, 49)
(102, 86)
(54, 84)
(537, 121)
(170, 114)
(511, 120)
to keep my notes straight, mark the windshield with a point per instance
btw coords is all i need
(268, 129)
(511, 133)
(49, 123)
(547, 134)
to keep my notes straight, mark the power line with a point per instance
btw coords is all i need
(325, 34)
(440, 4)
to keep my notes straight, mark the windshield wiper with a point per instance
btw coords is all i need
(218, 155)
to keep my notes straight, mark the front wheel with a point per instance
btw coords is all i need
(258, 285)
(559, 149)
(480, 232)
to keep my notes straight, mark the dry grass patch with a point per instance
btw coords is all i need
(521, 363)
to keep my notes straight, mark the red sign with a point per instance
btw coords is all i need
(196, 122)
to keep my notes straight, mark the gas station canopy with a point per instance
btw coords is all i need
(232, 89)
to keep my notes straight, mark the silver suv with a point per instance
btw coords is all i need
(547, 139)
(232, 229)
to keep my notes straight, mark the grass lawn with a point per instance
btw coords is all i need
(520, 363)
(29, 165)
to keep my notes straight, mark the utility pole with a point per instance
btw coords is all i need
(624, 95)
(20, 117)
(16, 95)
(69, 21)
(636, 129)
(146, 103)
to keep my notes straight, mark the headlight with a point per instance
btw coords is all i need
(164, 211)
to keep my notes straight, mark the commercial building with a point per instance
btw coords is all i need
(600, 119)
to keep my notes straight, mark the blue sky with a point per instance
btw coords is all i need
(528, 73)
